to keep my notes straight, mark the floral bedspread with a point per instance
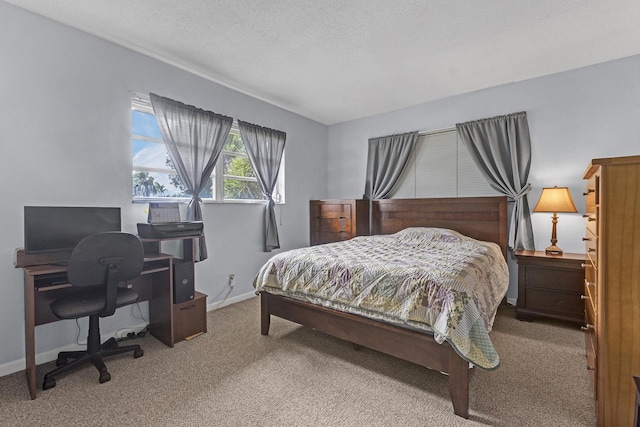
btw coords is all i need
(431, 279)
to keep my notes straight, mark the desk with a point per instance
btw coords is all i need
(45, 283)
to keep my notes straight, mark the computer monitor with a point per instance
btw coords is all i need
(60, 228)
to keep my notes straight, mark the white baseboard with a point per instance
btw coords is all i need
(49, 355)
(219, 304)
(512, 301)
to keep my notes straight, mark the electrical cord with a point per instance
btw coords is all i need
(130, 335)
(141, 315)
(139, 334)
(78, 335)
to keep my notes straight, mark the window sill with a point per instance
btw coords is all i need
(206, 201)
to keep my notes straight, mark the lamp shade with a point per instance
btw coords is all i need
(555, 199)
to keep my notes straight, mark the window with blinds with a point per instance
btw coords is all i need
(441, 166)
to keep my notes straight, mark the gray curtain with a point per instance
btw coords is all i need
(194, 139)
(501, 148)
(387, 158)
(265, 148)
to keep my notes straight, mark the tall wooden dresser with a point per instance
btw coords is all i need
(612, 286)
(338, 219)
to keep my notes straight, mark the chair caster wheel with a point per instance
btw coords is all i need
(49, 384)
(138, 353)
(104, 377)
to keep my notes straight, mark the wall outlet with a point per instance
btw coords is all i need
(232, 280)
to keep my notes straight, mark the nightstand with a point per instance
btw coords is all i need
(550, 286)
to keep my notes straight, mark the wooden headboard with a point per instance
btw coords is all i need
(483, 218)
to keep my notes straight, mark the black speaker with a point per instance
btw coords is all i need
(183, 283)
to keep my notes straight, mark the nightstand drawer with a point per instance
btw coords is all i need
(554, 302)
(558, 280)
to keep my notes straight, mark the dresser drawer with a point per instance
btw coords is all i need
(334, 211)
(591, 344)
(558, 280)
(590, 283)
(554, 302)
(331, 225)
(591, 224)
(590, 338)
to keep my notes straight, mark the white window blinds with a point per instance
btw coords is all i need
(441, 166)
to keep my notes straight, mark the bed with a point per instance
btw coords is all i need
(399, 222)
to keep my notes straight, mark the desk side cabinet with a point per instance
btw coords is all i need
(550, 286)
(188, 317)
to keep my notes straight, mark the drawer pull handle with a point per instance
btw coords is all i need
(587, 328)
(584, 297)
(589, 190)
(588, 283)
(586, 239)
(590, 368)
(583, 265)
(189, 307)
(591, 250)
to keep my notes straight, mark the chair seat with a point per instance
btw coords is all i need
(89, 302)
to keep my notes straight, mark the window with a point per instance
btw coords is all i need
(154, 175)
(441, 166)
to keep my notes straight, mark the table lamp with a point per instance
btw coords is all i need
(555, 199)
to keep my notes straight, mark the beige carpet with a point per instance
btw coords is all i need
(233, 376)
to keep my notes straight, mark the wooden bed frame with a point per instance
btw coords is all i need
(483, 218)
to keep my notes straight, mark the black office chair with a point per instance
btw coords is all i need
(99, 263)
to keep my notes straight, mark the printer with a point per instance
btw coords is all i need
(164, 223)
(167, 230)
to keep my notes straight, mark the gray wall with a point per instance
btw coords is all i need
(573, 117)
(66, 140)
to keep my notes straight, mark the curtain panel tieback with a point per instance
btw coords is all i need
(523, 192)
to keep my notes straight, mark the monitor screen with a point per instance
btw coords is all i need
(57, 228)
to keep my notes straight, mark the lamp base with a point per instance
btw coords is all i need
(553, 250)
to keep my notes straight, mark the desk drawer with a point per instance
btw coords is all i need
(190, 317)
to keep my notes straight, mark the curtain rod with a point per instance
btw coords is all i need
(433, 132)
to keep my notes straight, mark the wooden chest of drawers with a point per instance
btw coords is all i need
(612, 286)
(550, 286)
(337, 220)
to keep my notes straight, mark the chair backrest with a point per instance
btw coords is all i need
(106, 259)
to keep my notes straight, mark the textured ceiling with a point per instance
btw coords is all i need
(338, 60)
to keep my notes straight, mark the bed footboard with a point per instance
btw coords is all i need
(410, 345)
